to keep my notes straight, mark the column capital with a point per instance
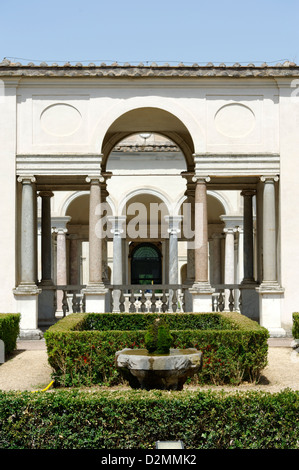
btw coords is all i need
(199, 179)
(230, 230)
(117, 223)
(248, 192)
(46, 194)
(60, 230)
(94, 179)
(173, 223)
(217, 236)
(26, 179)
(269, 178)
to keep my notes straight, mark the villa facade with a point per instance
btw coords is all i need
(149, 188)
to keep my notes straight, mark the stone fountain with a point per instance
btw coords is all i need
(158, 366)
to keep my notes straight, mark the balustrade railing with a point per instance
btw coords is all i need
(153, 298)
(227, 297)
(147, 298)
(71, 301)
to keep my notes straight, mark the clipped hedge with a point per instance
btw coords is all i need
(9, 330)
(81, 348)
(137, 419)
(295, 328)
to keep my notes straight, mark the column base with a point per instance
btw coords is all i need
(250, 300)
(95, 298)
(270, 299)
(201, 297)
(26, 296)
(46, 304)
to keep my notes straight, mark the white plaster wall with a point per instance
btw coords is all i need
(8, 198)
(289, 198)
(66, 118)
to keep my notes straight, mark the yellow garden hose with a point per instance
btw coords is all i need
(45, 389)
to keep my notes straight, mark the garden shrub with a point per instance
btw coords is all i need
(295, 328)
(9, 330)
(81, 347)
(132, 419)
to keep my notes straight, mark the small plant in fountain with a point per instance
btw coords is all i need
(158, 339)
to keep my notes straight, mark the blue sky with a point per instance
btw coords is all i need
(159, 31)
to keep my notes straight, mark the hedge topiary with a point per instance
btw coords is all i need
(9, 330)
(295, 328)
(234, 349)
(137, 419)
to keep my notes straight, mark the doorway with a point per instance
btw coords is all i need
(146, 265)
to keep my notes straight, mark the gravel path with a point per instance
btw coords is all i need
(28, 369)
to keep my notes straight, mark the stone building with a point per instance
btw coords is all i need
(135, 188)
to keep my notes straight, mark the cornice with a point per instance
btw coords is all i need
(16, 69)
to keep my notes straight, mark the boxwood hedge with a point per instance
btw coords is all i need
(81, 347)
(295, 328)
(131, 419)
(9, 330)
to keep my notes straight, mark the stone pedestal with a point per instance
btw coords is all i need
(270, 301)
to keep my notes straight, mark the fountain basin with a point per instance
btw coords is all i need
(164, 372)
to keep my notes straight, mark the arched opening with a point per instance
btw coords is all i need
(153, 121)
(146, 266)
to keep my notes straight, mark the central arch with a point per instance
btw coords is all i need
(153, 120)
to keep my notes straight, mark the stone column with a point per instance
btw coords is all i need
(250, 306)
(61, 262)
(27, 292)
(188, 235)
(229, 265)
(201, 290)
(95, 290)
(216, 251)
(47, 298)
(173, 230)
(117, 231)
(248, 236)
(269, 232)
(271, 293)
(46, 231)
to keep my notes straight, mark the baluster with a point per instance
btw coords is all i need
(83, 303)
(143, 300)
(231, 300)
(111, 300)
(65, 307)
(132, 307)
(221, 302)
(183, 300)
(240, 301)
(174, 300)
(164, 301)
(55, 300)
(153, 302)
(122, 301)
(74, 303)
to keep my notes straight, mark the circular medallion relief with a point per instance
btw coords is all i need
(234, 120)
(60, 119)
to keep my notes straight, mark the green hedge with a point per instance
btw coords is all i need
(9, 330)
(295, 328)
(137, 419)
(234, 349)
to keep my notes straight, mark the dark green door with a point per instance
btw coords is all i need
(146, 265)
